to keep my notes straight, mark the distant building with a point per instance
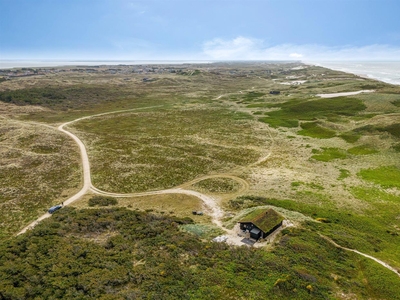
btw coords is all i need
(274, 92)
(261, 223)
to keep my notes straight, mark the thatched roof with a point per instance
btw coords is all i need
(264, 219)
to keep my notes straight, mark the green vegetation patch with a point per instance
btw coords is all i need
(122, 254)
(294, 110)
(328, 154)
(343, 174)
(218, 185)
(373, 195)
(396, 147)
(102, 201)
(362, 150)
(387, 176)
(203, 230)
(250, 96)
(314, 130)
(65, 97)
(350, 136)
(396, 102)
(393, 129)
(275, 121)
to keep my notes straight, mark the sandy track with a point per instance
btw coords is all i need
(215, 211)
(87, 182)
(363, 254)
(344, 94)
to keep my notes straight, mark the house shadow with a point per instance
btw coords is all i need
(247, 241)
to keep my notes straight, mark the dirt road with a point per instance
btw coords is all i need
(363, 254)
(215, 211)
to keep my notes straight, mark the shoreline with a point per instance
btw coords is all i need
(383, 71)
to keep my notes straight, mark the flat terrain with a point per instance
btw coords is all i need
(325, 157)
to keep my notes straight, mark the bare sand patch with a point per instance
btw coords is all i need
(344, 94)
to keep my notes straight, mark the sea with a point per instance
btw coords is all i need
(386, 71)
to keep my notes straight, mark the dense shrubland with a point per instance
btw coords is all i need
(122, 254)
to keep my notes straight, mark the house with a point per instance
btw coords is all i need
(261, 223)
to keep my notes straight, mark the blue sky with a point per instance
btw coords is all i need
(200, 29)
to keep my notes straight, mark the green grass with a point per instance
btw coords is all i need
(294, 110)
(343, 174)
(329, 154)
(250, 96)
(275, 122)
(387, 176)
(314, 130)
(396, 102)
(362, 150)
(373, 195)
(350, 137)
(396, 147)
(393, 129)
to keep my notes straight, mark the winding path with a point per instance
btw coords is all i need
(387, 266)
(216, 212)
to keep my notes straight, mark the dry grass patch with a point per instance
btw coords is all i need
(39, 167)
(178, 205)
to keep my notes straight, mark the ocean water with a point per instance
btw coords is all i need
(386, 71)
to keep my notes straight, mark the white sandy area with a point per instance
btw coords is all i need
(296, 82)
(344, 94)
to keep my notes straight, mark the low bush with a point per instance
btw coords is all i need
(314, 130)
(102, 201)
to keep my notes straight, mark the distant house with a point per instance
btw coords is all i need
(261, 223)
(274, 92)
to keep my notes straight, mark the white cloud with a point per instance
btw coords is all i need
(244, 48)
(296, 55)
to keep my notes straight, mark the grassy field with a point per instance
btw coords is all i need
(39, 167)
(166, 148)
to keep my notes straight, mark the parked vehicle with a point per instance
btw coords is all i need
(54, 208)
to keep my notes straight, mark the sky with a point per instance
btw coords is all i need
(307, 30)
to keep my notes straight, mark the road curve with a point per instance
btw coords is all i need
(210, 202)
(215, 211)
(87, 182)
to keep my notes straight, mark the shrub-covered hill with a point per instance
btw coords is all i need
(123, 254)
